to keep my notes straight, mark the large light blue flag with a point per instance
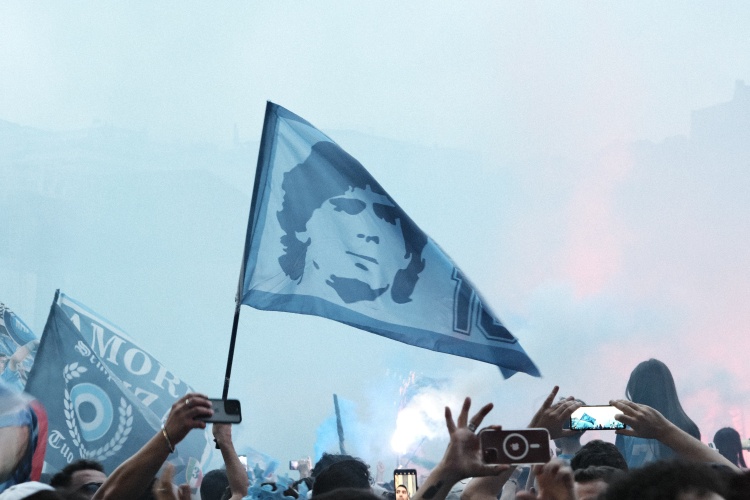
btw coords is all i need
(324, 238)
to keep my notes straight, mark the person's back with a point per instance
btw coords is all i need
(651, 383)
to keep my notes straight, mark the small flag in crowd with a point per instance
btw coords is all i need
(324, 238)
(18, 346)
(90, 413)
(104, 395)
(141, 373)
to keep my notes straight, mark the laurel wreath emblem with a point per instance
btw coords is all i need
(125, 425)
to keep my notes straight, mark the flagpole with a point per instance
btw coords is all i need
(269, 123)
(339, 425)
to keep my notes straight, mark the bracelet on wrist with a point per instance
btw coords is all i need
(166, 437)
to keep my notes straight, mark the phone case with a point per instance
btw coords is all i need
(523, 446)
(226, 411)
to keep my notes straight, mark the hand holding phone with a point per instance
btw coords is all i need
(522, 446)
(598, 417)
(226, 411)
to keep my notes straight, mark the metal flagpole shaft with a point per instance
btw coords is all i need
(339, 425)
(230, 357)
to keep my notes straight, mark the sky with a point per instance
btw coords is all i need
(556, 151)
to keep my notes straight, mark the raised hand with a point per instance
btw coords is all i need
(644, 421)
(185, 414)
(463, 453)
(555, 480)
(552, 416)
(462, 458)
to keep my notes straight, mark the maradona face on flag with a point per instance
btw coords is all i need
(324, 238)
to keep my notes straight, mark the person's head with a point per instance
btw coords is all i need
(339, 471)
(213, 484)
(669, 479)
(594, 480)
(651, 383)
(729, 444)
(82, 478)
(30, 490)
(347, 230)
(349, 494)
(598, 453)
(401, 492)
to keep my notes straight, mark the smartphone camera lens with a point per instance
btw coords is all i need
(490, 455)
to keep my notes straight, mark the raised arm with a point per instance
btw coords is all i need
(134, 476)
(555, 479)
(649, 423)
(552, 416)
(236, 471)
(462, 458)
(21, 354)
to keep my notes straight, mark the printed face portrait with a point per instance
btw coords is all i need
(356, 244)
(344, 232)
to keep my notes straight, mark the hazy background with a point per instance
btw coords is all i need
(585, 163)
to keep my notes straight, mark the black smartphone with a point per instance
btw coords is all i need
(595, 418)
(405, 483)
(521, 446)
(226, 411)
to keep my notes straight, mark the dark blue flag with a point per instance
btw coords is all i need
(143, 375)
(90, 412)
(324, 238)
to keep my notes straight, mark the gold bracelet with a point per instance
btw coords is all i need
(166, 436)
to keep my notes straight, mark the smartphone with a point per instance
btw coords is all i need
(522, 446)
(405, 478)
(595, 418)
(226, 411)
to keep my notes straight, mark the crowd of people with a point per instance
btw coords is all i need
(659, 455)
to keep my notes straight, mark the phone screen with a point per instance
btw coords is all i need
(593, 418)
(404, 483)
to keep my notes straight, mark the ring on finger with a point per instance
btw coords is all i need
(187, 402)
(472, 427)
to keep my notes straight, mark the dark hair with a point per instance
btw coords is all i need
(666, 479)
(651, 383)
(598, 472)
(598, 453)
(62, 479)
(729, 444)
(349, 494)
(44, 495)
(213, 484)
(348, 472)
(341, 175)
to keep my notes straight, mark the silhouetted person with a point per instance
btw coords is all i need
(651, 383)
(729, 444)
